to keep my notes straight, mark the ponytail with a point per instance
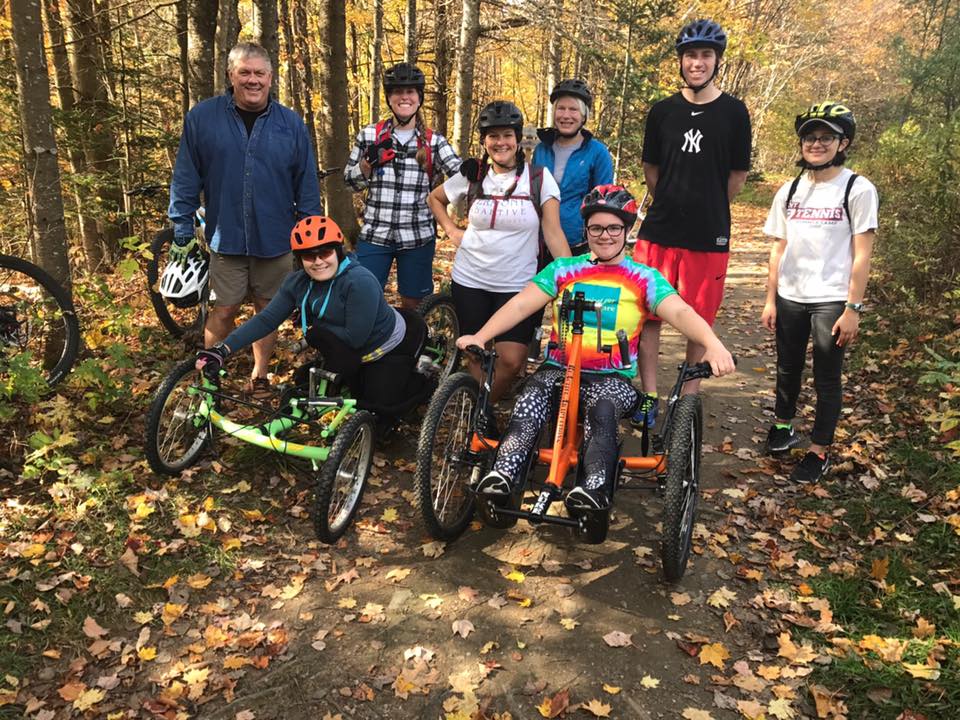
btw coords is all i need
(422, 144)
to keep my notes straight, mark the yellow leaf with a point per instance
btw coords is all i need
(144, 510)
(924, 629)
(147, 653)
(695, 714)
(526, 602)
(611, 689)
(516, 576)
(347, 603)
(721, 598)
(649, 682)
(714, 654)
(170, 582)
(596, 708)
(235, 662)
(254, 515)
(398, 574)
(231, 544)
(389, 515)
(196, 676)
(171, 612)
(34, 550)
(568, 623)
(880, 568)
(924, 672)
(780, 709)
(199, 581)
(88, 698)
(293, 589)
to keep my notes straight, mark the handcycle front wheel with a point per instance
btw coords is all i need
(38, 324)
(443, 328)
(176, 431)
(682, 486)
(444, 466)
(177, 321)
(342, 478)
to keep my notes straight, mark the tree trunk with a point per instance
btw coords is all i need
(442, 65)
(228, 28)
(623, 101)
(554, 53)
(39, 143)
(469, 34)
(183, 45)
(202, 26)
(356, 103)
(376, 61)
(305, 66)
(410, 33)
(92, 249)
(291, 83)
(333, 90)
(268, 32)
(94, 114)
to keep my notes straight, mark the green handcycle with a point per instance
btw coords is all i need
(316, 421)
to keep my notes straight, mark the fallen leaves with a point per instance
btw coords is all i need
(616, 638)
(552, 707)
(596, 708)
(462, 628)
(92, 629)
(714, 654)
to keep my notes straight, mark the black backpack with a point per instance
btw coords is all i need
(846, 195)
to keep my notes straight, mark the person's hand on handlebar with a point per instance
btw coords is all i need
(211, 360)
(720, 359)
(465, 341)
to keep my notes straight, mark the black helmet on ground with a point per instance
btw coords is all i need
(573, 87)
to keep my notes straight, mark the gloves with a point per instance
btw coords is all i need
(471, 169)
(380, 153)
(182, 246)
(211, 360)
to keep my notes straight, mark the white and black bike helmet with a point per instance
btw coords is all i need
(182, 284)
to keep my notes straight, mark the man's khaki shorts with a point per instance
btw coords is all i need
(234, 277)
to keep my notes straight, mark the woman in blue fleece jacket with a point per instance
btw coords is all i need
(342, 312)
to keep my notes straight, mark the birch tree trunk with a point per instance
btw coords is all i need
(469, 34)
(202, 26)
(442, 65)
(623, 101)
(376, 61)
(333, 89)
(39, 143)
(554, 52)
(410, 33)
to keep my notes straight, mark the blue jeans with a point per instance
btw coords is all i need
(414, 266)
(796, 322)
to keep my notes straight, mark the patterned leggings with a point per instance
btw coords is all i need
(604, 399)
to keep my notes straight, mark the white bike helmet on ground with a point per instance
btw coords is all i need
(182, 283)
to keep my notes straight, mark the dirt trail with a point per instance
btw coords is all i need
(520, 654)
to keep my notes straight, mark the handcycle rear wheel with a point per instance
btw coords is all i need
(342, 478)
(682, 486)
(177, 321)
(443, 473)
(443, 329)
(176, 432)
(38, 325)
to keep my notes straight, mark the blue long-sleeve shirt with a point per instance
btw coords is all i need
(589, 165)
(366, 327)
(254, 188)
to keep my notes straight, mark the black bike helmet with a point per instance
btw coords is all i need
(501, 113)
(404, 75)
(573, 87)
(702, 33)
(835, 116)
(614, 199)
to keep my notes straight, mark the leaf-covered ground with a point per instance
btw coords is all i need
(128, 595)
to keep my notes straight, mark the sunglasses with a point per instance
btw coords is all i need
(321, 253)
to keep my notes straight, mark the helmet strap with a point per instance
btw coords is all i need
(597, 260)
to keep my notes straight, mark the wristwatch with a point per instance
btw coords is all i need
(856, 307)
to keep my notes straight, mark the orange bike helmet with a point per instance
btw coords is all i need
(314, 231)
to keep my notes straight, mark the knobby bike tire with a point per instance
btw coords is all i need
(160, 248)
(440, 476)
(62, 358)
(359, 426)
(442, 304)
(159, 461)
(682, 486)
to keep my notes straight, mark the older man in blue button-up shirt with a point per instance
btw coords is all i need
(251, 160)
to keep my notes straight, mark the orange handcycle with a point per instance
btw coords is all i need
(454, 452)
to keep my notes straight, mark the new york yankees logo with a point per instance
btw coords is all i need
(691, 141)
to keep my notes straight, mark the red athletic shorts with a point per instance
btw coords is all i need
(697, 276)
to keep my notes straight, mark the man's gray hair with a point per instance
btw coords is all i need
(245, 50)
(584, 110)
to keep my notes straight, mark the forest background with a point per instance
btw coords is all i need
(113, 79)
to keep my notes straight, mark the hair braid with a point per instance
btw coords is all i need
(422, 144)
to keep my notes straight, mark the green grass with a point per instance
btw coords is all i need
(758, 194)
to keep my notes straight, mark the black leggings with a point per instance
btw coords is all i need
(795, 324)
(604, 399)
(384, 381)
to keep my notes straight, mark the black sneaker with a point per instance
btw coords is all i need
(494, 483)
(811, 469)
(488, 424)
(582, 499)
(782, 439)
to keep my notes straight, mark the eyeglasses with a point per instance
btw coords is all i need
(825, 140)
(321, 253)
(613, 231)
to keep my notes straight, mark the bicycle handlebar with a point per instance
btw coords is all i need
(327, 172)
(700, 371)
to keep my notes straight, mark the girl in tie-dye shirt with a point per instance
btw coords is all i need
(629, 292)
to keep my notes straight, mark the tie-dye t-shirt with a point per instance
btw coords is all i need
(629, 292)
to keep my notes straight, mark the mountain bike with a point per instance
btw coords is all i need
(39, 330)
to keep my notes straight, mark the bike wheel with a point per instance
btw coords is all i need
(682, 485)
(176, 432)
(443, 329)
(343, 476)
(38, 325)
(443, 471)
(177, 321)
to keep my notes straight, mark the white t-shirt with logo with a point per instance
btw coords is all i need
(499, 247)
(817, 261)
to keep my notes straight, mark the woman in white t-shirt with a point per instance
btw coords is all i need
(497, 253)
(824, 224)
